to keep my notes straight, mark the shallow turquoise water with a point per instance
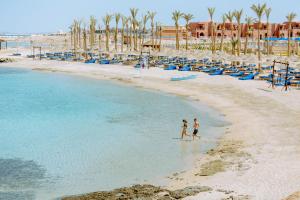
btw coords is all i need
(64, 135)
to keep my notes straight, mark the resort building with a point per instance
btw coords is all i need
(169, 32)
(203, 29)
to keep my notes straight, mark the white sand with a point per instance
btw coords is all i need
(266, 121)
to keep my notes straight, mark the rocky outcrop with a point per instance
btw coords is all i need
(141, 192)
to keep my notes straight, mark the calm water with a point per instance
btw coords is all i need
(65, 135)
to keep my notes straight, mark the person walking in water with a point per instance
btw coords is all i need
(184, 129)
(196, 127)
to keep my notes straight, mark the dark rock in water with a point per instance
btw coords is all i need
(17, 195)
(17, 173)
(141, 192)
(189, 191)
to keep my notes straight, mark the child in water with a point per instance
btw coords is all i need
(184, 129)
(196, 127)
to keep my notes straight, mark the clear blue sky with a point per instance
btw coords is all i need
(35, 16)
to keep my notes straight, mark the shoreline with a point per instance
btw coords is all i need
(246, 145)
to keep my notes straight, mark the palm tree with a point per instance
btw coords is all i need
(71, 34)
(134, 22)
(140, 30)
(234, 43)
(128, 39)
(130, 33)
(224, 18)
(160, 35)
(92, 31)
(238, 15)
(290, 18)
(187, 18)
(99, 37)
(145, 19)
(151, 16)
(75, 35)
(249, 22)
(84, 38)
(259, 11)
(176, 15)
(124, 24)
(117, 18)
(79, 32)
(268, 12)
(211, 12)
(106, 21)
(230, 16)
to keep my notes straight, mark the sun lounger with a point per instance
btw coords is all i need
(171, 67)
(185, 68)
(240, 73)
(217, 72)
(104, 61)
(90, 61)
(249, 76)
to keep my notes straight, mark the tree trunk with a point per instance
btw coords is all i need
(289, 42)
(107, 38)
(134, 37)
(186, 38)
(122, 39)
(239, 40)
(222, 39)
(258, 45)
(177, 38)
(152, 35)
(212, 38)
(130, 38)
(99, 38)
(71, 35)
(127, 37)
(246, 43)
(268, 51)
(116, 39)
(160, 34)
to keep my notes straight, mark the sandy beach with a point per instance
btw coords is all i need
(258, 155)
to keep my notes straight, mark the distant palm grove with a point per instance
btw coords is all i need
(232, 35)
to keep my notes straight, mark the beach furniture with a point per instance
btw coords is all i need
(185, 68)
(284, 81)
(265, 77)
(183, 78)
(240, 73)
(249, 76)
(171, 67)
(104, 61)
(217, 72)
(90, 61)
